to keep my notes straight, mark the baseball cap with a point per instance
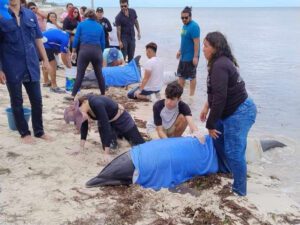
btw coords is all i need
(99, 9)
(112, 55)
(4, 9)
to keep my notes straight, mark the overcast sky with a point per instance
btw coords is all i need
(194, 3)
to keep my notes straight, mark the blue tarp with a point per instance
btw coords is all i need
(117, 76)
(168, 162)
(121, 75)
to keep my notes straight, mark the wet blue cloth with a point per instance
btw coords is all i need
(231, 144)
(165, 163)
(121, 75)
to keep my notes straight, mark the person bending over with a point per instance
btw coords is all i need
(112, 57)
(55, 42)
(113, 120)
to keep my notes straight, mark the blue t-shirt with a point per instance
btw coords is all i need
(188, 33)
(57, 40)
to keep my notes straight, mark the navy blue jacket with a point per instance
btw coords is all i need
(18, 52)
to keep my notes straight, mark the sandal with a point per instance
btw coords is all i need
(57, 90)
(47, 84)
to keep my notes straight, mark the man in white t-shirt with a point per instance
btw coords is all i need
(153, 77)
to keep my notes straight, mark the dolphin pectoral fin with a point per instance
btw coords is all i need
(269, 144)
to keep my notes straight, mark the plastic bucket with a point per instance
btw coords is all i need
(11, 118)
(69, 84)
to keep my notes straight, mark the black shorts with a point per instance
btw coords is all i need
(50, 54)
(186, 70)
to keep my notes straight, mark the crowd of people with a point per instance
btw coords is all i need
(83, 36)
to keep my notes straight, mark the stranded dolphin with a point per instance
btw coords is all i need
(117, 76)
(165, 163)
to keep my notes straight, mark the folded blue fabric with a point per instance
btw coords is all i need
(168, 162)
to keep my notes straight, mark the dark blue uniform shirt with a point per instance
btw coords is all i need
(127, 24)
(18, 52)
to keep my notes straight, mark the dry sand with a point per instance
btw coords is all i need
(43, 184)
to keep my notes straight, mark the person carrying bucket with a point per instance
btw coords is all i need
(55, 42)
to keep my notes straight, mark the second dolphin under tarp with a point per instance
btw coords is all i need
(116, 76)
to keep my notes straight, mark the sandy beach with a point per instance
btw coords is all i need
(44, 184)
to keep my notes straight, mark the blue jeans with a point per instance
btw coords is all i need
(33, 90)
(130, 94)
(231, 144)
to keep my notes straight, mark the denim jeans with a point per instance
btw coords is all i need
(130, 94)
(231, 144)
(33, 90)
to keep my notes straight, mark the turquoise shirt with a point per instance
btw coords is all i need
(188, 33)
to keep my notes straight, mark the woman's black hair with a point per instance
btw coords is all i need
(219, 42)
(48, 16)
(187, 10)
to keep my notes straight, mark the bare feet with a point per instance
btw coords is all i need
(28, 140)
(46, 137)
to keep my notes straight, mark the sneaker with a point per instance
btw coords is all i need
(57, 90)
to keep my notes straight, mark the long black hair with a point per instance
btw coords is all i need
(219, 42)
(48, 16)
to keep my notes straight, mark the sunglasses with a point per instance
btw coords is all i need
(32, 8)
(184, 17)
(124, 6)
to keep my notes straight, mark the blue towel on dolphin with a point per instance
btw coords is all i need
(166, 163)
(119, 76)
(4, 9)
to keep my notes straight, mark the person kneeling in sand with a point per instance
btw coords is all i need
(113, 120)
(171, 115)
(153, 76)
(55, 42)
(112, 57)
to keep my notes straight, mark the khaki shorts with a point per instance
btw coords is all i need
(170, 131)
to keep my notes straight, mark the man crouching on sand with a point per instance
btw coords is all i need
(20, 37)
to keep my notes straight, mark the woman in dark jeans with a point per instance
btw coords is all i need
(71, 22)
(90, 35)
(231, 111)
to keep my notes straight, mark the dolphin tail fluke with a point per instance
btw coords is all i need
(269, 144)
